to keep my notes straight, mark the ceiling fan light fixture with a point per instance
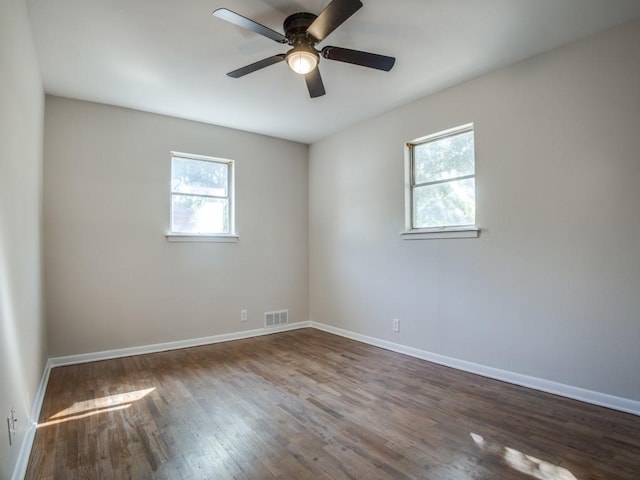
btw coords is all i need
(302, 61)
(303, 31)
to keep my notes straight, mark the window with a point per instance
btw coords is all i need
(201, 195)
(440, 171)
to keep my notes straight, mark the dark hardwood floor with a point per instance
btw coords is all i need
(307, 404)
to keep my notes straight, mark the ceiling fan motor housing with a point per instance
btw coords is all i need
(295, 29)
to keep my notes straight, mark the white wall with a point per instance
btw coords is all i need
(22, 335)
(113, 280)
(551, 288)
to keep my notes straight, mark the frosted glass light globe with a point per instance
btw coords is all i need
(302, 61)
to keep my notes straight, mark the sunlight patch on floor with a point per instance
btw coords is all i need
(104, 402)
(95, 406)
(535, 467)
(528, 464)
(83, 415)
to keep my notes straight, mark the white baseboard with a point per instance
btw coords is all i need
(575, 393)
(20, 469)
(162, 347)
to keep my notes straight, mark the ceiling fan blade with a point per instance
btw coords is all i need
(356, 57)
(314, 83)
(334, 15)
(244, 22)
(241, 72)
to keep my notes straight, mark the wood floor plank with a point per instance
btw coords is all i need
(310, 405)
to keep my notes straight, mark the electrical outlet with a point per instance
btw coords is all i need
(11, 425)
(396, 325)
(243, 315)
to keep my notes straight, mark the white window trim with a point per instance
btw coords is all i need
(232, 237)
(201, 238)
(458, 231)
(436, 233)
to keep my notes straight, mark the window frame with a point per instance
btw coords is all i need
(458, 231)
(232, 236)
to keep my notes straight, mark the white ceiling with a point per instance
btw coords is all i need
(171, 56)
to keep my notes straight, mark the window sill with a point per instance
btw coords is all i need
(194, 237)
(436, 233)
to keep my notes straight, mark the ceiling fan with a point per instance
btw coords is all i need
(303, 31)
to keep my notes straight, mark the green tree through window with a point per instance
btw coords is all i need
(443, 180)
(200, 195)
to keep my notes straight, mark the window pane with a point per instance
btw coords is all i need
(445, 204)
(447, 157)
(199, 214)
(199, 177)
